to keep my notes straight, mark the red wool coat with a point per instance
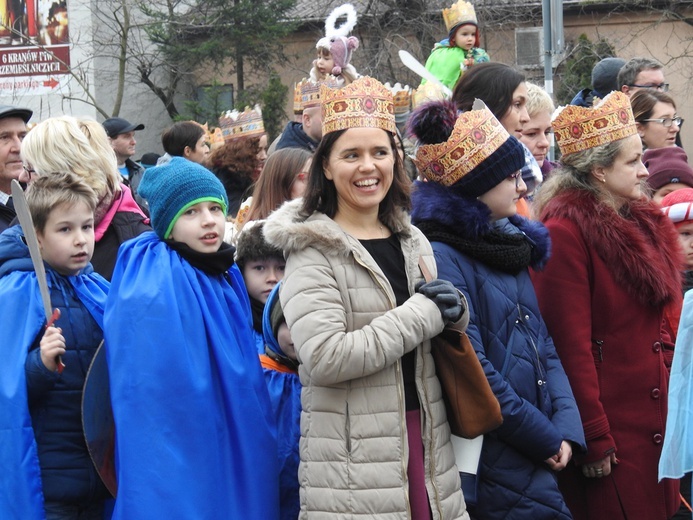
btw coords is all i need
(602, 296)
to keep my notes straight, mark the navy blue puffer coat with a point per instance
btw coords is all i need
(518, 357)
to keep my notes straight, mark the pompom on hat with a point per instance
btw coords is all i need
(476, 156)
(579, 128)
(668, 165)
(365, 103)
(678, 206)
(170, 189)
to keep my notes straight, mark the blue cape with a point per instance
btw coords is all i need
(195, 435)
(21, 320)
(677, 451)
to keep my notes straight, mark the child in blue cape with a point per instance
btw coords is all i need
(281, 375)
(195, 433)
(460, 50)
(46, 468)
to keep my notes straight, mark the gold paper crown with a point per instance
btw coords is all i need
(297, 96)
(401, 97)
(429, 91)
(365, 103)
(235, 124)
(476, 136)
(310, 91)
(579, 128)
(458, 13)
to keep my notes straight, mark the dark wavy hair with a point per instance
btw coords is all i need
(235, 163)
(321, 194)
(493, 83)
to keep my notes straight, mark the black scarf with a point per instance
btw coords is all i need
(211, 263)
(507, 252)
(257, 308)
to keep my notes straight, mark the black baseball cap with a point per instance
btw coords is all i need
(9, 111)
(117, 125)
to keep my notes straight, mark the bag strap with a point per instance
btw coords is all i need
(424, 269)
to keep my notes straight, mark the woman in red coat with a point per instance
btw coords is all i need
(614, 267)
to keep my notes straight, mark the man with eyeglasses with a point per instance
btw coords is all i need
(13, 122)
(640, 73)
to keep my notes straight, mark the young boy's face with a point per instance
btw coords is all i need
(325, 62)
(67, 241)
(465, 36)
(285, 341)
(686, 240)
(261, 276)
(201, 227)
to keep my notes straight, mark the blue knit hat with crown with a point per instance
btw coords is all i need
(170, 189)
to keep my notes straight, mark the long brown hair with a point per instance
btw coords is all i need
(273, 187)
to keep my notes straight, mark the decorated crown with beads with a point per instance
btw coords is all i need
(477, 135)
(456, 14)
(365, 103)
(578, 128)
(235, 124)
(429, 91)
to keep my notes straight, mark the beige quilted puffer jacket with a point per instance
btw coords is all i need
(350, 338)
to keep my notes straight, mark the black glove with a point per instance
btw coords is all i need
(445, 296)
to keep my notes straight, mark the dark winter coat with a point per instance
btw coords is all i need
(7, 215)
(518, 357)
(602, 295)
(293, 136)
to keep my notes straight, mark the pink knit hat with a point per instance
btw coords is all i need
(678, 206)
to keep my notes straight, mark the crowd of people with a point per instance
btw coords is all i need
(266, 322)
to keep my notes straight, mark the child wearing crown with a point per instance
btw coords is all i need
(460, 50)
(335, 48)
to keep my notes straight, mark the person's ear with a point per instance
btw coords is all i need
(326, 171)
(641, 129)
(599, 173)
(187, 152)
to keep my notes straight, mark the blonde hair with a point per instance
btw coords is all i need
(51, 191)
(67, 144)
(538, 100)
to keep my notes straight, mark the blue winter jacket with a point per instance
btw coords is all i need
(520, 362)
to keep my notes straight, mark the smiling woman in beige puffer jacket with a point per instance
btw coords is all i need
(375, 442)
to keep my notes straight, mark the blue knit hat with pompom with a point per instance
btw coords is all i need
(170, 189)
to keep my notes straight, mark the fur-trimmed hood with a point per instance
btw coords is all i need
(641, 249)
(471, 218)
(290, 230)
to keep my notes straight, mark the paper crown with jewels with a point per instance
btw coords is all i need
(477, 137)
(578, 128)
(310, 91)
(365, 103)
(459, 13)
(297, 96)
(429, 91)
(235, 124)
(401, 97)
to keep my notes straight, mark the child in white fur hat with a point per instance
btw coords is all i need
(336, 47)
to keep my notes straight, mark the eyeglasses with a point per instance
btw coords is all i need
(666, 122)
(28, 169)
(517, 176)
(663, 87)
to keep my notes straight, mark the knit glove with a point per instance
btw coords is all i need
(445, 296)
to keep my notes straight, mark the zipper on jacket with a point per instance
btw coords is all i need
(431, 452)
(599, 343)
(541, 381)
